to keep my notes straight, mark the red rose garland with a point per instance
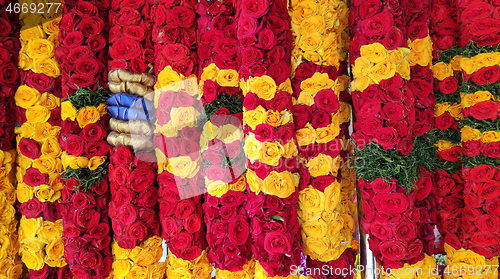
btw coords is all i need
(480, 135)
(221, 143)
(448, 186)
(395, 219)
(82, 52)
(263, 32)
(9, 81)
(134, 195)
(177, 137)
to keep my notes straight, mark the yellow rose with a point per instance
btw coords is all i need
(24, 192)
(202, 271)
(68, 111)
(469, 65)
(362, 83)
(330, 15)
(26, 96)
(37, 114)
(43, 193)
(45, 164)
(49, 101)
(469, 134)
(184, 117)
(55, 249)
(313, 24)
(137, 272)
(35, 32)
(73, 161)
(375, 53)
(87, 115)
(311, 200)
(286, 86)
(51, 148)
(306, 135)
(33, 260)
(168, 79)
(455, 63)
(44, 130)
(47, 66)
(15, 271)
(403, 69)
(118, 252)
(313, 56)
(274, 118)
(487, 59)
(96, 161)
(121, 268)
(52, 26)
(40, 48)
(210, 72)
(255, 117)
(145, 258)
(456, 111)
(184, 167)
(239, 185)
(316, 83)
(157, 271)
(230, 133)
(472, 99)
(51, 230)
(441, 71)
(328, 133)
(280, 184)
(332, 196)
(270, 153)
(490, 136)
(311, 42)
(344, 113)
(330, 44)
(439, 109)
(302, 10)
(305, 99)
(217, 188)
(330, 255)
(320, 165)
(361, 67)
(290, 150)
(252, 147)
(29, 227)
(228, 78)
(264, 87)
(396, 56)
(315, 228)
(382, 70)
(316, 245)
(254, 182)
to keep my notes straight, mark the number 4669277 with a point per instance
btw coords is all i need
(33, 8)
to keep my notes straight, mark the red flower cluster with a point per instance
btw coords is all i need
(82, 42)
(87, 233)
(89, 141)
(228, 230)
(375, 22)
(174, 35)
(421, 84)
(479, 23)
(445, 27)
(385, 115)
(130, 47)
(50, 272)
(134, 205)
(337, 269)
(398, 223)
(9, 74)
(263, 30)
(275, 231)
(482, 199)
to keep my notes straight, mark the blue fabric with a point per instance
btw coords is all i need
(127, 114)
(128, 107)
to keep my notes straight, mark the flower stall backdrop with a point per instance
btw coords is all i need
(249, 139)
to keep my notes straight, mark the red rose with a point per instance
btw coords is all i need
(79, 271)
(93, 132)
(182, 240)
(277, 243)
(369, 109)
(90, 26)
(141, 178)
(33, 177)
(449, 85)
(192, 223)
(379, 186)
(175, 52)
(99, 231)
(90, 258)
(138, 230)
(32, 208)
(491, 149)
(181, 16)
(79, 53)
(378, 24)
(482, 173)
(81, 200)
(418, 30)
(393, 250)
(75, 145)
(387, 137)
(369, 8)
(247, 27)
(87, 218)
(121, 156)
(393, 38)
(452, 154)
(452, 202)
(489, 190)
(148, 198)
(284, 133)
(125, 49)
(492, 207)
(98, 148)
(128, 214)
(88, 66)
(486, 75)
(394, 111)
(29, 148)
(487, 223)
(421, 87)
(184, 208)
(301, 115)
(123, 196)
(394, 202)
(264, 132)
(485, 239)
(472, 148)
(327, 100)
(444, 121)
(279, 72)
(255, 9)
(381, 231)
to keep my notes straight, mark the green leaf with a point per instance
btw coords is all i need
(232, 103)
(86, 97)
(85, 176)
(484, 125)
(470, 162)
(452, 99)
(277, 218)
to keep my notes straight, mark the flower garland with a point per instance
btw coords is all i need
(223, 157)
(85, 125)
(272, 175)
(38, 114)
(9, 81)
(479, 133)
(393, 184)
(178, 129)
(134, 193)
(448, 186)
(321, 117)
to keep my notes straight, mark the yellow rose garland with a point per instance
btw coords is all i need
(41, 240)
(468, 264)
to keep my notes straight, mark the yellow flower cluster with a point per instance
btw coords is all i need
(472, 64)
(38, 42)
(320, 32)
(377, 63)
(468, 264)
(260, 273)
(280, 184)
(445, 145)
(326, 218)
(264, 87)
(247, 272)
(140, 262)
(223, 77)
(9, 259)
(455, 110)
(268, 152)
(469, 133)
(443, 70)
(420, 52)
(219, 188)
(471, 99)
(41, 242)
(424, 269)
(84, 116)
(199, 268)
